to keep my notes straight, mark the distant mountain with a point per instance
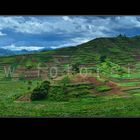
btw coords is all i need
(7, 52)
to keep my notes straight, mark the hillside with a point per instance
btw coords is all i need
(112, 92)
(120, 50)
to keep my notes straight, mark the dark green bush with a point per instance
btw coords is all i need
(75, 68)
(41, 92)
(58, 93)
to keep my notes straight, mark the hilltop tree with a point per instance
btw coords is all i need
(122, 36)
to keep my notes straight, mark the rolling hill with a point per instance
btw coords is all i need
(120, 50)
(111, 94)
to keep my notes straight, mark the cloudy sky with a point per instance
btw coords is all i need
(38, 32)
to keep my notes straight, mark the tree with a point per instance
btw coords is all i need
(41, 92)
(121, 36)
(102, 58)
(29, 85)
(75, 68)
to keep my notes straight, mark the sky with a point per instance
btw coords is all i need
(45, 32)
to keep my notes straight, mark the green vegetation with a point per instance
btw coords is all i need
(96, 106)
(75, 68)
(129, 84)
(41, 92)
(103, 88)
(105, 61)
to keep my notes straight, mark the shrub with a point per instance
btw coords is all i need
(29, 88)
(65, 80)
(29, 82)
(41, 92)
(58, 93)
(103, 58)
(75, 68)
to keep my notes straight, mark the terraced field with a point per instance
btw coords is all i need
(115, 102)
(105, 87)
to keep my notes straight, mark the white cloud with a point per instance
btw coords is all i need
(66, 18)
(67, 24)
(72, 42)
(2, 34)
(79, 40)
(13, 47)
(64, 24)
(81, 28)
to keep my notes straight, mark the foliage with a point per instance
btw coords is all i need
(58, 93)
(75, 68)
(22, 77)
(108, 54)
(41, 92)
(101, 106)
(8, 77)
(109, 68)
(103, 88)
(65, 81)
(29, 65)
(102, 58)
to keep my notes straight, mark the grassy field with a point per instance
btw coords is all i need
(101, 105)
(113, 92)
(95, 106)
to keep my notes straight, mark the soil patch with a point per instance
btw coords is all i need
(24, 98)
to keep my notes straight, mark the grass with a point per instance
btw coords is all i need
(86, 105)
(103, 88)
(133, 91)
(83, 106)
(127, 84)
(101, 106)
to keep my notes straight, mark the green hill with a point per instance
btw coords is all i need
(112, 93)
(119, 49)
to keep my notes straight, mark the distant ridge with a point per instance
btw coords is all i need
(120, 49)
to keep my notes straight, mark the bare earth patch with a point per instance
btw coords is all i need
(24, 98)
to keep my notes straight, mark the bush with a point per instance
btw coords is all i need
(75, 68)
(57, 93)
(41, 92)
(65, 81)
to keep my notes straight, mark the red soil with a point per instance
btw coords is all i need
(85, 78)
(111, 84)
(115, 88)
